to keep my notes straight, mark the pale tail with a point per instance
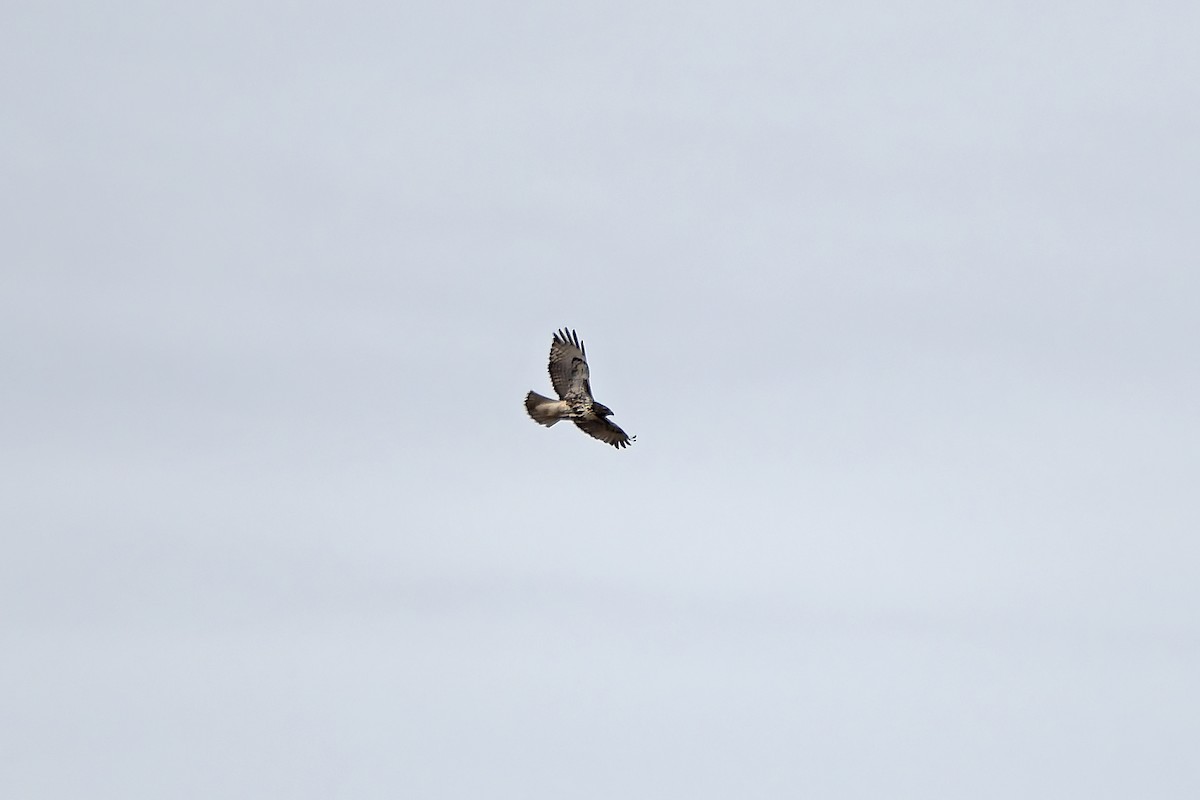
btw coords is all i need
(543, 410)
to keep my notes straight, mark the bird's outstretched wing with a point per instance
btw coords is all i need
(568, 366)
(600, 428)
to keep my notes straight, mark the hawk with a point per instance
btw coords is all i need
(569, 375)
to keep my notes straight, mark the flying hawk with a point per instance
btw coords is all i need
(569, 375)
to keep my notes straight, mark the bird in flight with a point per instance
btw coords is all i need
(569, 375)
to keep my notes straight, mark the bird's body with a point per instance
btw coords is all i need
(572, 383)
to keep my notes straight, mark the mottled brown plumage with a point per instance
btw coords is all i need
(571, 380)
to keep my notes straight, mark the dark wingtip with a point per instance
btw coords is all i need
(568, 336)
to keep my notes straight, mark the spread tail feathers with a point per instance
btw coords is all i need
(543, 410)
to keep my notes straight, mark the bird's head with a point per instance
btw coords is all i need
(602, 409)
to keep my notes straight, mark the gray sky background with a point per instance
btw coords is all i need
(900, 301)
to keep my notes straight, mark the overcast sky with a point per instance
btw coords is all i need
(900, 301)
